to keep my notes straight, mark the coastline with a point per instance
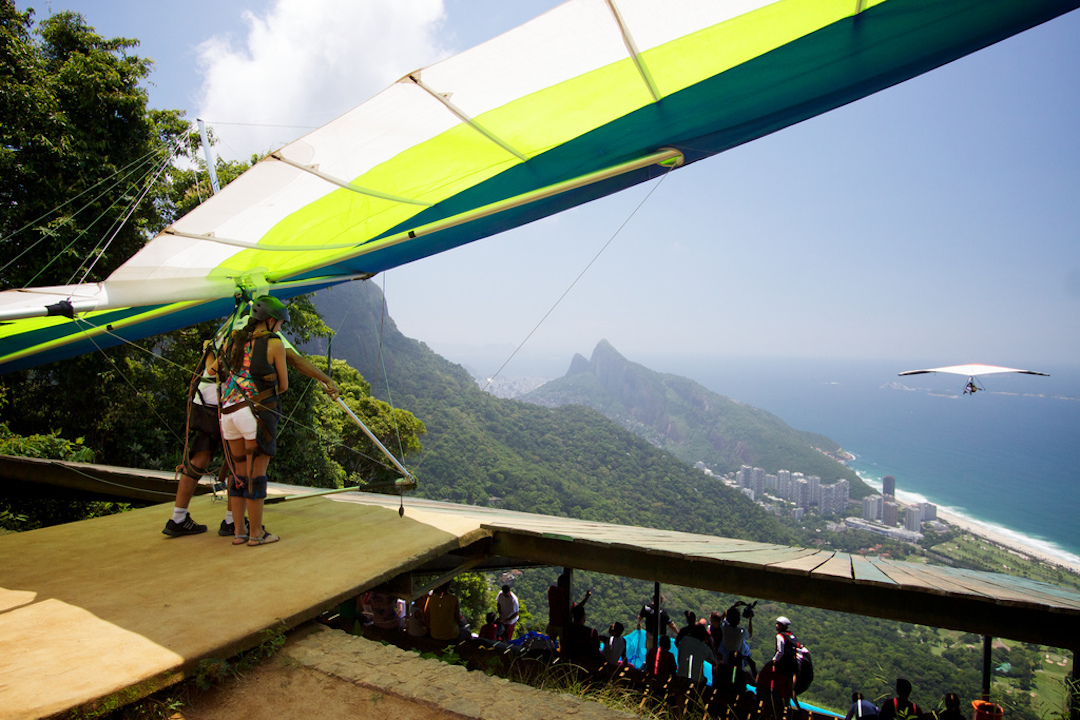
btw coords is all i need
(1043, 552)
(1009, 542)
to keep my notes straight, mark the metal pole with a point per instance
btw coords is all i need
(371, 436)
(987, 666)
(568, 605)
(656, 613)
(209, 157)
(1072, 688)
(401, 484)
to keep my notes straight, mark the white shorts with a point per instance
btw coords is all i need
(239, 424)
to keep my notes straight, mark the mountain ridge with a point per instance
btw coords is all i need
(695, 424)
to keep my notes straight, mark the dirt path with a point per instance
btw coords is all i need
(285, 690)
(328, 674)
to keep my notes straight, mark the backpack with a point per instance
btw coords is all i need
(789, 660)
(804, 674)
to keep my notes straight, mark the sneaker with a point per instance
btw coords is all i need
(187, 527)
(229, 529)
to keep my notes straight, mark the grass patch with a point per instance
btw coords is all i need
(971, 551)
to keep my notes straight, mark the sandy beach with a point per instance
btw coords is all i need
(1008, 541)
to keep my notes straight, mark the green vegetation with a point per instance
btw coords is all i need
(73, 113)
(694, 424)
(969, 551)
(85, 160)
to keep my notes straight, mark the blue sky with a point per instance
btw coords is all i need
(936, 223)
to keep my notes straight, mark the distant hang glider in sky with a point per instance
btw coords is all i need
(586, 100)
(972, 371)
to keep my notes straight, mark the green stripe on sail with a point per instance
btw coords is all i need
(463, 158)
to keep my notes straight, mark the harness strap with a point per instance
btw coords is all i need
(192, 470)
(255, 402)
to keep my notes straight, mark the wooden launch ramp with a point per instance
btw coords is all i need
(111, 608)
(111, 605)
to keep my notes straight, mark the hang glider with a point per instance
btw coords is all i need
(972, 371)
(586, 100)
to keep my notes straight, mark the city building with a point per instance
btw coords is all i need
(890, 513)
(827, 503)
(913, 517)
(800, 493)
(897, 533)
(757, 480)
(888, 485)
(872, 506)
(783, 483)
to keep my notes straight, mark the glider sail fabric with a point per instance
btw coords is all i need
(586, 100)
(973, 370)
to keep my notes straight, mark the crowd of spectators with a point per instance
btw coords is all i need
(715, 650)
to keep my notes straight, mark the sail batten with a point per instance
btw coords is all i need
(501, 135)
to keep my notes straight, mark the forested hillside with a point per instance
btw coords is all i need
(568, 461)
(693, 423)
(573, 461)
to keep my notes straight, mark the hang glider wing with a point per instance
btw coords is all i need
(973, 370)
(586, 100)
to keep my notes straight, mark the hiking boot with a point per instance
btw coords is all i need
(229, 529)
(187, 527)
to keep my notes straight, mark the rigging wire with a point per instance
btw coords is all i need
(73, 198)
(618, 230)
(158, 356)
(128, 171)
(103, 481)
(138, 393)
(386, 376)
(578, 278)
(393, 411)
(119, 223)
(266, 125)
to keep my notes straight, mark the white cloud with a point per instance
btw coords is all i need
(305, 62)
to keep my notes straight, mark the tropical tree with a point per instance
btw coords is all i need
(88, 173)
(83, 160)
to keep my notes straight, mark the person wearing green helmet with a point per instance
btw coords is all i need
(206, 430)
(250, 409)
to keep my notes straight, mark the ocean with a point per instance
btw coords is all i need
(1007, 458)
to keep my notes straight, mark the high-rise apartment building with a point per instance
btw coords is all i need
(890, 513)
(800, 494)
(888, 485)
(757, 480)
(827, 503)
(783, 484)
(872, 506)
(913, 516)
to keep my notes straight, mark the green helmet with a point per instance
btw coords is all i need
(267, 307)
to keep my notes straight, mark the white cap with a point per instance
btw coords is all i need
(783, 621)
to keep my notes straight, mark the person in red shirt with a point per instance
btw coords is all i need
(660, 661)
(490, 631)
(901, 705)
